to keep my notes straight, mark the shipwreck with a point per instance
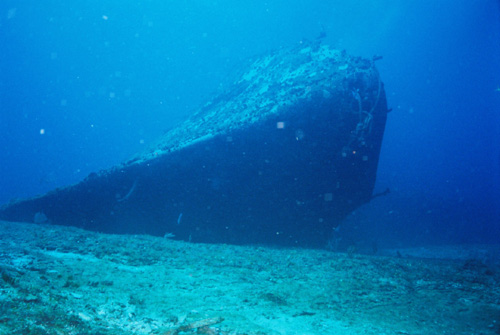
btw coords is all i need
(280, 157)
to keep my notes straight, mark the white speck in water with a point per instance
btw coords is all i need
(11, 13)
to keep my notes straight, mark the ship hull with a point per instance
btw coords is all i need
(284, 172)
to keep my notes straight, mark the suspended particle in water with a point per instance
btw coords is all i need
(42, 131)
(11, 13)
(299, 134)
(280, 125)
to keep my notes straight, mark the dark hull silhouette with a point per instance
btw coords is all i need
(280, 157)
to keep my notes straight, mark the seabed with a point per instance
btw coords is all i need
(64, 280)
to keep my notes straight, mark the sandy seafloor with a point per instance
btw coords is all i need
(64, 280)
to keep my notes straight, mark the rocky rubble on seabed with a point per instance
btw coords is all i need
(63, 280)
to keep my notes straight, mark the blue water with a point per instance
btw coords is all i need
(84, 85)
